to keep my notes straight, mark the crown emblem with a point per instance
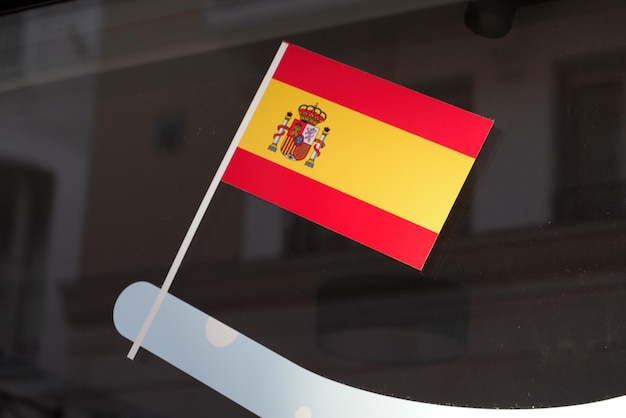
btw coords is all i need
(302, 138)
(311, 114)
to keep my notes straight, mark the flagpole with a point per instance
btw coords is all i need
(195, 223)
(171, 274)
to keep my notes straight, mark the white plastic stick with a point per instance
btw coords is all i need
(167, 283)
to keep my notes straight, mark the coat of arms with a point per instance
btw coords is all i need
(301, 136)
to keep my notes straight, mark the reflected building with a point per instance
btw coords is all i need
(110, 142)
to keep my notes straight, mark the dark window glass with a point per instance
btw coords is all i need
(115, 116)
(591, 142)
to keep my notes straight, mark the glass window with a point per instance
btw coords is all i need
(115, 116)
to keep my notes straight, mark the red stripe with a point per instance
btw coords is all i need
(393, 104)
(358, 220)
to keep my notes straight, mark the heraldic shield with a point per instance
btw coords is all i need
(301, 135)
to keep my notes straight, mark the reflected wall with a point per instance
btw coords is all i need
(114, 118)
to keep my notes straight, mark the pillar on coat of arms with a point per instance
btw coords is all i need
(319, 144)
(281, 130)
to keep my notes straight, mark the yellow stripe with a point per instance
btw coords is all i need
(387, 167)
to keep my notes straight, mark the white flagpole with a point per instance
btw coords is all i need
(205, 204)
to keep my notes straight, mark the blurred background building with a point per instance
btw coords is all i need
(114, 116)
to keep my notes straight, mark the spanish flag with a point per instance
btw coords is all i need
(366, 158)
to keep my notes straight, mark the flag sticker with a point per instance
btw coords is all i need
(366, 158)
(387, 178)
